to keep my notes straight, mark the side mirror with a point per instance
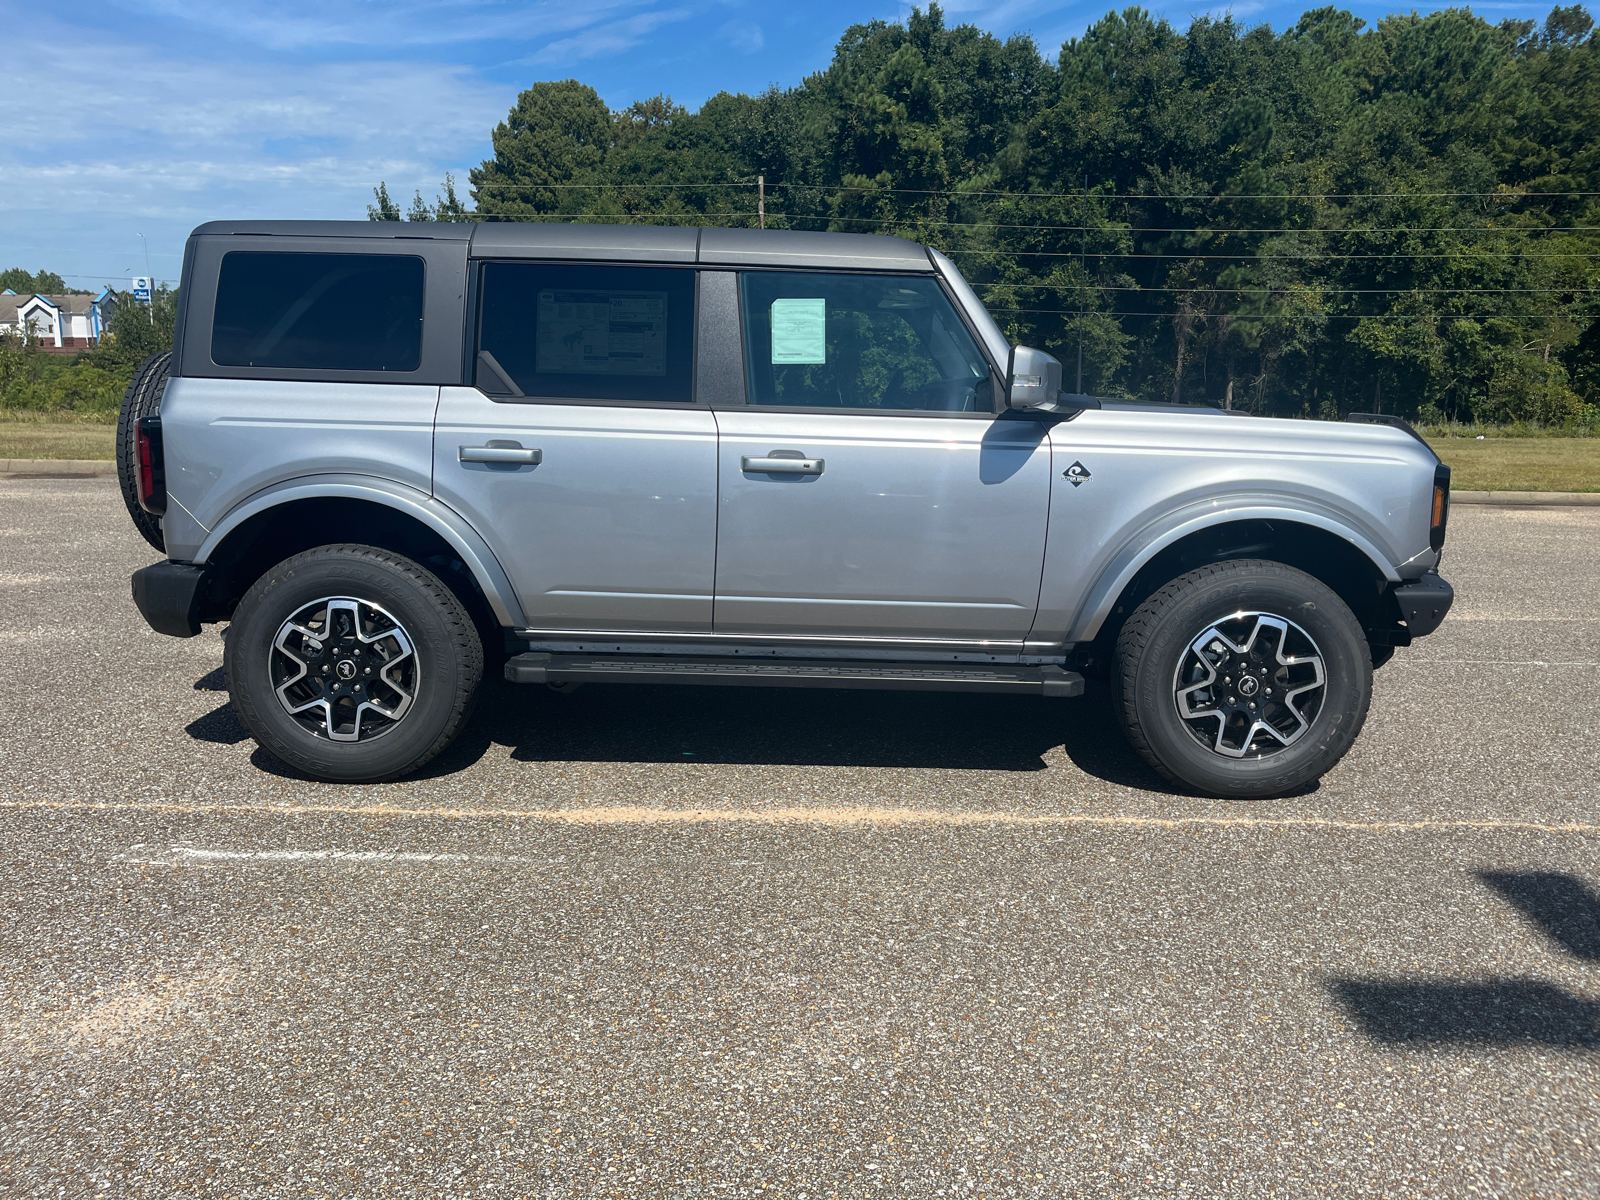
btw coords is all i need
(1035, 380)
(1035, 384)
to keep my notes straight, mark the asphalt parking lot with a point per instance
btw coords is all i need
(694, 942)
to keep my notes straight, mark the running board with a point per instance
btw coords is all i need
(1048, 680)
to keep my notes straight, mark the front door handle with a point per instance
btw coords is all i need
(782, 466)
(493, 453)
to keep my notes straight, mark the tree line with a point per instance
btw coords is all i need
(1332, 218)
(44, 283)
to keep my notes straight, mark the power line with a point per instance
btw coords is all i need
(1245, 257)
(112, 278)
(1116, 229)
(910, 223)
(961, 194)
(1315, 257)
(1321, 291)
(1072, 312)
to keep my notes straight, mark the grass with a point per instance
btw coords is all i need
(1496, 464)
(34, 435)
(1514, 464)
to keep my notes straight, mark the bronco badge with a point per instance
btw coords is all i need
(1078, 474)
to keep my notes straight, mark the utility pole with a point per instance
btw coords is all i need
(761, 199)
(150, 305)
(1083, 275)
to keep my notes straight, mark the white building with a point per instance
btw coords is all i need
(56, 322)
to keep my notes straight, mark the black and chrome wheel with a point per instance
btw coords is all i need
(345, 669)
(1245, 678)
(352, 664)
(1250, 685)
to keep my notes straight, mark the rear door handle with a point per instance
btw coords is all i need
(782, 466)
(499, 454)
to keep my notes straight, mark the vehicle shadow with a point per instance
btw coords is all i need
(1494, 1011)
(796, 727)
(221, 726)
(1562, 906)
(1497, 1012)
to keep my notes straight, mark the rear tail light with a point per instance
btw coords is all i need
(152, 472)
(1441, 506)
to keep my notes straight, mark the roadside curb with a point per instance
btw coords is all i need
(1527, 499)
(58, 467)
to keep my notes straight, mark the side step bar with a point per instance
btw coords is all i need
(1048, 680)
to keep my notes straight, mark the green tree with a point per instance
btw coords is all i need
(137, 330)
(385, 209)
(555, 137)
(45, 283)
(1403, 216)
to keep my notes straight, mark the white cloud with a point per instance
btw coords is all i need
(105, 137)
(372, 23)
(610, 38)
(744, 36)
(1002, 18)
(125, 98)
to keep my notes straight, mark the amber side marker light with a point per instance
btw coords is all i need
(152, 472)
(1441, 506)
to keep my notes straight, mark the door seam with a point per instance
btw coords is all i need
(716, 522)
(1049, 512)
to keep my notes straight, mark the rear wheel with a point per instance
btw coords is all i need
(1245, 678)
(352, 664)
(142, 399)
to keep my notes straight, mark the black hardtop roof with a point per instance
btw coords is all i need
(426, 230)
(617, 243)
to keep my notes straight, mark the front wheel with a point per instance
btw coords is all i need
(352, 664)
(1245, 678)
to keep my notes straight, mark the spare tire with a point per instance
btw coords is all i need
(142, 399)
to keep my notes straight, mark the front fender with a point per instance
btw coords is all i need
(438, 517)
(1090, 606)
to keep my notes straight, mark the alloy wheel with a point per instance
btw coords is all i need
(1250, 685)
(344, 669)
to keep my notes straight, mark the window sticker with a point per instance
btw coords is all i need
(602, 333)
(799, 331)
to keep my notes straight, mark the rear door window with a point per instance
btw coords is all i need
(335, 312)
(578, 332)
(874, 342)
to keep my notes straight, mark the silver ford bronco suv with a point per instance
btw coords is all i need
(391, 456)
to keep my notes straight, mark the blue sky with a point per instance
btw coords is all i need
(129, 117)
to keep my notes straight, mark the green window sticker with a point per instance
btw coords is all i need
(799, 331)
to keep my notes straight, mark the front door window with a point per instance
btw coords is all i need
(877, 343)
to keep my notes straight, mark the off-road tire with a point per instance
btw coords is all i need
(448, 648)
(142, 399)
(1159, 632)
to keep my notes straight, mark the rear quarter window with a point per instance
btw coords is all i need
(334, 312)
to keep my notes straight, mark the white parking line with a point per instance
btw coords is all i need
(1501, 662)
(162, 856)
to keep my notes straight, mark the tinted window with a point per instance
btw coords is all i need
(859, 341)
(334, 312)
(586, 333)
